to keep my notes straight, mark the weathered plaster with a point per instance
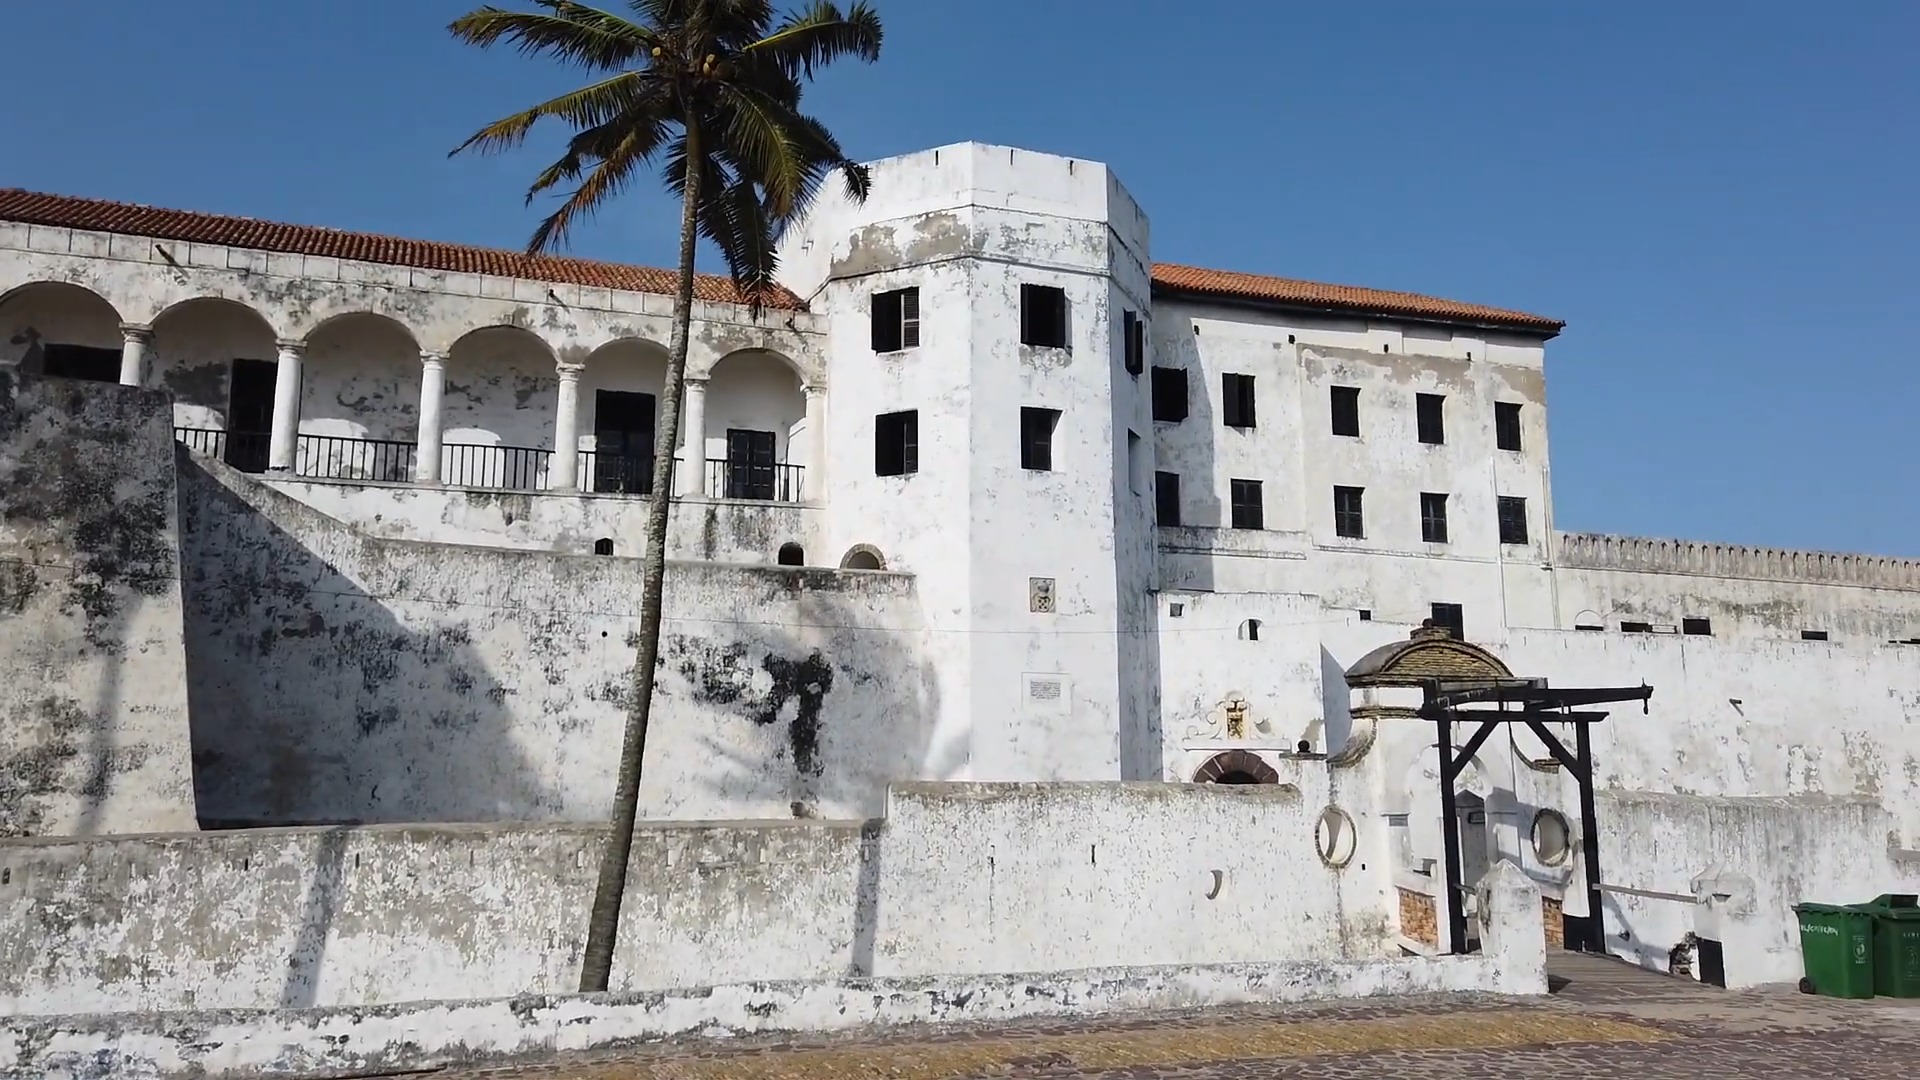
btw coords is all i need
(93, 708)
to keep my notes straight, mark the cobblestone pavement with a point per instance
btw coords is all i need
(1606, 1020)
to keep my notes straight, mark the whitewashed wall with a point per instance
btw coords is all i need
(957, 879)
(337, 677)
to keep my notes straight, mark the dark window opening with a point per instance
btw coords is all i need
(1813, 635)
(1433, 517)
(1366, 614)
(1236, 394)
(1349, 519)
(250, 414)
(1169, 394)
(1036, 438)
(1237, 776)
(792, 555)
(1166, 498)
(750, 464)
(1346, 410)
(623, 427)
(1452, 618)
(1248, 512)
(1513, 520)
(1636, 627)
(1506, 425)
(1135, 330)
(896, 320)
(896, 443)
(1697, 627)
(1430, 417)
(1043, 316)
(603, 546)
(1587, 626)
(80, 362)
(1250, 630)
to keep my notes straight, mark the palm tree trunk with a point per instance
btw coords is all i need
(603, 924)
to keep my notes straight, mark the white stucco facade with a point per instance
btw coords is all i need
(1349, 464)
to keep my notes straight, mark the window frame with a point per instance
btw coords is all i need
(908, 452)
(1164, 376)
(1433, 518)
(1350, 396)
(1037, 427)
(1237, 401)
(1134, 342)
(1166, 499)
(1357, 512)
(1511, 512)
(1430, 419)
(901, 322)
(1033, 327)
(1247, 504)
(1506, 420)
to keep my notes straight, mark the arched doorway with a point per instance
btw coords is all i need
(1236, 767)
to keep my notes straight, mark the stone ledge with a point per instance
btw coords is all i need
(318, 1043)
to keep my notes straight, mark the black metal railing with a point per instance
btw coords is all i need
(608, 473)
(735, 478)
(513, 468)
(338, 457)
(244, 450)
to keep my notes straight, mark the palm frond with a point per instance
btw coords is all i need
(589, 106)
(753, 130)
(606, 180)
(575, 33)
(737, 222)
(821, 34)
(598, 144)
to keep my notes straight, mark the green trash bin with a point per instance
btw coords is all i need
(1836, 949)
(1896, 944)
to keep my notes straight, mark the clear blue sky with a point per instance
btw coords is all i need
(1720, 201)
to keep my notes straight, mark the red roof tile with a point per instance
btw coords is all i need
(99, 215)
(1290, 292)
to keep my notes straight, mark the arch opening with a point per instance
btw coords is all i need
(359, 400)
(1236, 767)
(218, 359)
(755, 437)
(863, 557)
(62, 330)
(792, 554)
(619, 416)
(497, 409)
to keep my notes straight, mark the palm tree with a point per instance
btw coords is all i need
(710, 90)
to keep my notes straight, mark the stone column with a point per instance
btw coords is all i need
(813, 482)
(564, 473)
(286, 406)
(133, 353)
(426, 454)
(691, 476)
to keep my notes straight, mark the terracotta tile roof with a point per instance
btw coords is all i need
(1290, 292)
(66, 211)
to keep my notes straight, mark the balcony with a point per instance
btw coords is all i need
(489, 468)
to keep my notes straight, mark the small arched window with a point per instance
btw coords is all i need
(603, 546)
(1250, 630)
(792, 555)
(863, 557)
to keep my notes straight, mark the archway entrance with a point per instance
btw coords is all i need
(1236, 767)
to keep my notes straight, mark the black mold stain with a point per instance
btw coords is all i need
(29, 778)
(719, 675)
(204, 384)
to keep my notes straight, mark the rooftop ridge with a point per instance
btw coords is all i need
(197, 227)
(1297, 292)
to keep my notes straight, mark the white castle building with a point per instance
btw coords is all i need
(989, 495)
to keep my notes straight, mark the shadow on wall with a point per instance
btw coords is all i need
(311, 703)
(1193, 460)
